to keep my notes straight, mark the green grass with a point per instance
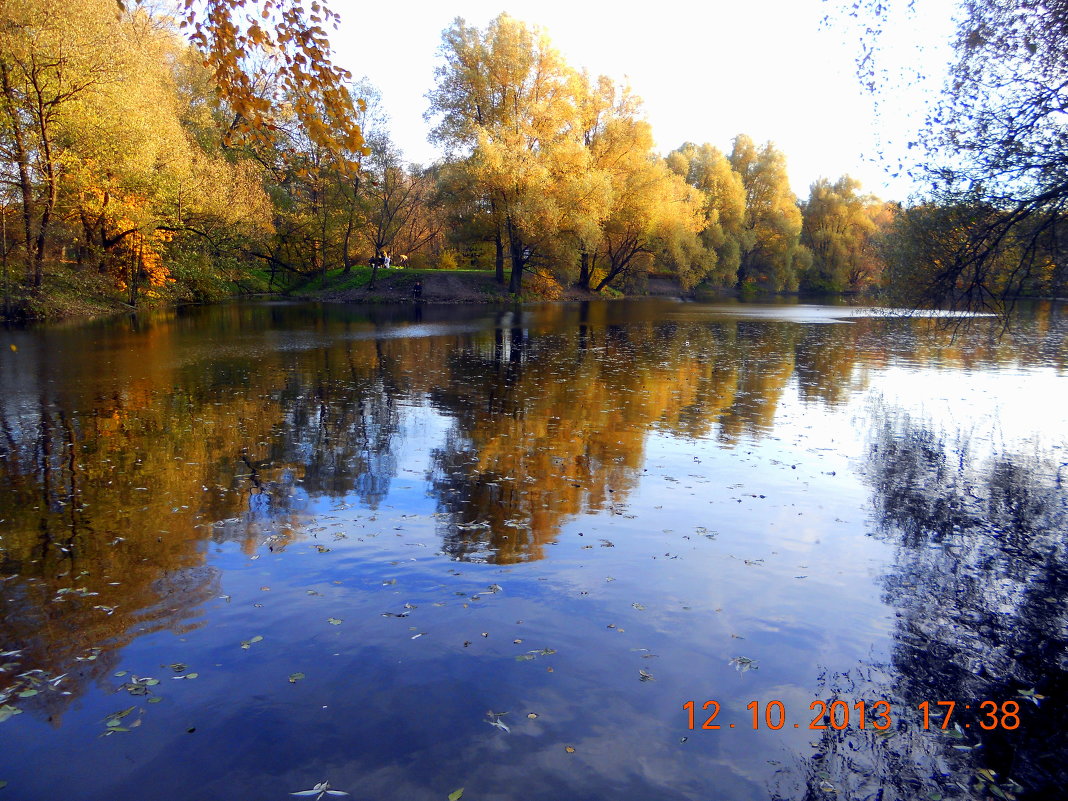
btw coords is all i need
(359, 277)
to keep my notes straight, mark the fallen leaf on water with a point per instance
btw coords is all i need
(295, 677)
(27, 693)
(532, 715)
(645, 676)
(569, 748)
(743, 663)
(456, 795)
(114, 718)
(319, 790)
(334, 621)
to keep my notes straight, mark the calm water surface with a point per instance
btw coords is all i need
(249, 548)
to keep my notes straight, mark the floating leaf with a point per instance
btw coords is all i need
(319, 790)
(121, 673)
(28, 693)
(743, 663)
(645, 676)
(456, 795)
(295, 677)
(569, 748)
(532, 715)
(117, 716)
(334, 621)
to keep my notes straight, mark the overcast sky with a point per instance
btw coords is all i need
(706, 71)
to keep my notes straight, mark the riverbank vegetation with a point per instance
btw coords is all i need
(151, 157)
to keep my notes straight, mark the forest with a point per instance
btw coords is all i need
(151, 158)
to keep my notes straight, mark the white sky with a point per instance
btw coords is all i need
(706, 70)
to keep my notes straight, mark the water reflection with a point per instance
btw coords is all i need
(979, 582)
(129, 451)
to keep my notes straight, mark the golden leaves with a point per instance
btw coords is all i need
(292, 39)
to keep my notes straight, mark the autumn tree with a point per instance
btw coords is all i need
(238, 36)
(708, 170)
(52, 54)
(995, 148)
(504, 102)
(839, 224)
(652, 210)
(771, 230)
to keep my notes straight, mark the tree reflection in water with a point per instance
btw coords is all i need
(980, 589)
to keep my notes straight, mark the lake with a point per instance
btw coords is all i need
(534, 553)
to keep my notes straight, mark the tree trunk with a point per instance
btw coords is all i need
(584, 271)
(52, 184)
(21, 155)
(498, 259)
(519, 260)
(374, 271)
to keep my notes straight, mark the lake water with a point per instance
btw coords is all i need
(247, 549)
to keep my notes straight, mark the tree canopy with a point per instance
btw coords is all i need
(995, 149)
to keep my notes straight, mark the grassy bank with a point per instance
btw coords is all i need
(68, 292)
(400, 285)
(71, 293)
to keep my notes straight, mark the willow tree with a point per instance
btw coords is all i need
(772, 226)
(651, 210)
(504, 103)
(839, 224)
(707, 169)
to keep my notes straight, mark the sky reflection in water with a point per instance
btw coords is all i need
(570, 520)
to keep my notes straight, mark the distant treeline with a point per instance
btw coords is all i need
(131, 171)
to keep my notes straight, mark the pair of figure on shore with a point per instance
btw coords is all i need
(384, 261)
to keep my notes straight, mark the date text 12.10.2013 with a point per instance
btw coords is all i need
(839, 714)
